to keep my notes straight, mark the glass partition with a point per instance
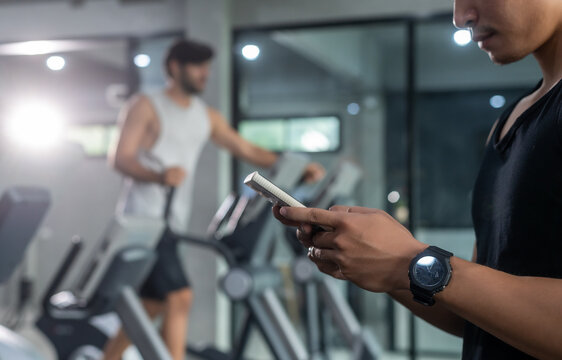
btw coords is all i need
(356, 73)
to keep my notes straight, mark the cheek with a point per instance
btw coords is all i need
(536, 28)
(521, 40)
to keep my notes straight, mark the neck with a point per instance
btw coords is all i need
(549, 57)
(178, 95)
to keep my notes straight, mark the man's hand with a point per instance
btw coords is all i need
(313, 172)
(173, 176)
(366, 246)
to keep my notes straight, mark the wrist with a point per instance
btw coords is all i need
(404, 280)
(161, 178)
(273, 159)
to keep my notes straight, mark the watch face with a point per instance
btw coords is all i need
(428, 271)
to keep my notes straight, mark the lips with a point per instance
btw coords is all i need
(479, 37)
(483, 39)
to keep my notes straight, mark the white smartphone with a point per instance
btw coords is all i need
(270, 191)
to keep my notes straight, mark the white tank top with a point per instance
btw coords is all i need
(183, 133)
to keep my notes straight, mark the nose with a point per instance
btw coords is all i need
(465, 14)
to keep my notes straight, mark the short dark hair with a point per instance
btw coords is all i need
(188, 52)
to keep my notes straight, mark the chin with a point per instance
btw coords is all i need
(505, 58)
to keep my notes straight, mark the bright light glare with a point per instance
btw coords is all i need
(315, 141)
(250, 52)
(427, 261)
(35, 124)
(462, 37)
(142, 60)
(393, 197)
(56, 63)
(353, 108)
(36, 47)
(497, 101)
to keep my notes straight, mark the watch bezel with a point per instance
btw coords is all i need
(444, 260)
(442, 282)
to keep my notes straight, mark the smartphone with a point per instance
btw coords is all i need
(276, 196)
(270, 191)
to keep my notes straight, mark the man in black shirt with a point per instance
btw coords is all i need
(507, 303)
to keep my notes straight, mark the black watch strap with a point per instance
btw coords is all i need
(439, 251)
(422, 296)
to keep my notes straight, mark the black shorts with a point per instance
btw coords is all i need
(168, 274)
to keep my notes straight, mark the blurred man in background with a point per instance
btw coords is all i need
(162, 135)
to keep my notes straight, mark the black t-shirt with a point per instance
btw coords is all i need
(517, 207)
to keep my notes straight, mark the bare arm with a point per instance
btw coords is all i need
(437, 315)
(136, 119)
(521, 311)
(226, 137)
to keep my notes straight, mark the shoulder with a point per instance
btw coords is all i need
(140, 101)
(139, 107)
(214, 115)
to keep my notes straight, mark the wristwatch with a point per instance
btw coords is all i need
(429, 273)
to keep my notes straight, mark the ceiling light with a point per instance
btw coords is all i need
(250, 52)
(353, 108)
(393, 197)
(497, 101)
(56, 63)
(142, 60)
(462, 37)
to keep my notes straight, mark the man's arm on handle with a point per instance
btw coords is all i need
(226, 137)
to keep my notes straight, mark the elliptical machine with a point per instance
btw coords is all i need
(120, 263)
(22, 209)
(243, 234)
(321, 293)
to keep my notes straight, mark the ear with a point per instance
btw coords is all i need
(174, 68)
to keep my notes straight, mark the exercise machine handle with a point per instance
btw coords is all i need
(214, 245)
(75, 248)
(170, 192)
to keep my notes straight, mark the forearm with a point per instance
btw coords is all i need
(521, 311)
(135, 170)
(437, 315)
(258, 156)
